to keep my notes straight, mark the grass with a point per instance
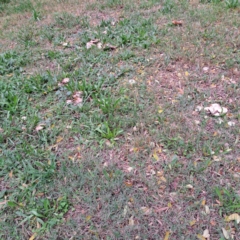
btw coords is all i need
(111, 141)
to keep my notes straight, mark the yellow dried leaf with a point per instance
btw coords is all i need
(201, 237)
(186, 74)
(155, 156)
(33, 236)
(160, 110)
(155, 153)
(88, 218)
(167, 234)
(192, 223)
(163, 179)
(233, 217)
(203, 202)
(169, 205)
(59, 139)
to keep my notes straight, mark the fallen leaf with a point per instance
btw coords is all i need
(201, 237)
(146, 210)
(199, 108)
(38, 225)
(205, 69)
(233, 217)
(91, 43)
(78, 101)
(177, 23)
(69, 101)
(39, 127)
(186, 74)
(213, 223)
(132, 81)
(155, 153)
(167, 234)
(130, 169)
(231, 124)
(216, 110)
(59, 139)
(33, 236)
(207, 210)
(206, 234)
(160, 110)
(10, 174)
(203, 202)
(128, 183)
(88, 217)
(193, 222)
(189, 186)
(109, 47)
(65, 80)
(99, 45)
(155, 156)
(225, 233)
(131, 221)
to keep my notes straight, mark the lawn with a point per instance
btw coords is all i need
(120, 119)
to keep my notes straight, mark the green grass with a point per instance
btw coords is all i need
(118, 150)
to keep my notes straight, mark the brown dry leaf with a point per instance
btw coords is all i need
(203, 202)
(128, 183)
(177, 23)
(213, 223)
(167, 234)
(233, 217)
